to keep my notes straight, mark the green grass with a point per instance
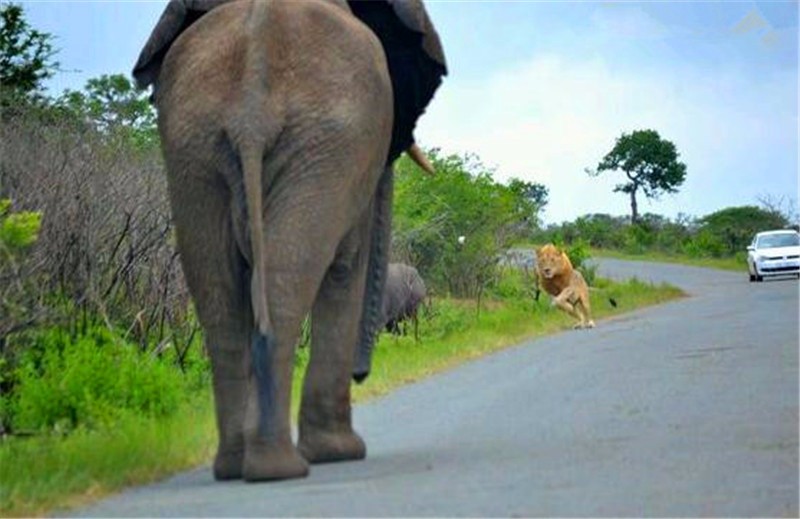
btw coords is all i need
(42, 474)
(400, 360)
(734, 263)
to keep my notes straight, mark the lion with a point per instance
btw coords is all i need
(565, 284)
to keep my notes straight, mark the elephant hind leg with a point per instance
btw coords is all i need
(254, 433)
(294, 276)
(326, 432)
(214, 269)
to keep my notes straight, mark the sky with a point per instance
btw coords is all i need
(540, 90)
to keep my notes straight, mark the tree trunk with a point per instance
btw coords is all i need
(634, 208)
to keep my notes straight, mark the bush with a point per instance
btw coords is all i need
(461, 200)
(578, 253)
(734, 227)
(449, 317)
(91, 380)
(17, 230)
(705, 244)
(106, 244)
(512, 284)
(18, 301)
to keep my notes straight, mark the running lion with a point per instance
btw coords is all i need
(565, 284)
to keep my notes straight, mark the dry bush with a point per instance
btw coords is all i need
(106, 247)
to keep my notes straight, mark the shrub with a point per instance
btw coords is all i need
(91, 380)
(448, 316)
(734, 227)
(106, 244)
(20, 297)
(578, 253)
(17, 230)
(512, 284)
(461, 200)
(705, 244)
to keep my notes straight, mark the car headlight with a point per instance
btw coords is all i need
(759, 257)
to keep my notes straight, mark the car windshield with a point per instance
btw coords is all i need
(771, 241)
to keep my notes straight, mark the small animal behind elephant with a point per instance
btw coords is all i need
(565, 284)
(405, 291)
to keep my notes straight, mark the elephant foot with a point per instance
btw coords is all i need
(325, 447)
(228, 465)
(265, 463)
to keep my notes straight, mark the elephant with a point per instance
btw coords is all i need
(279, 123)
(405, 291)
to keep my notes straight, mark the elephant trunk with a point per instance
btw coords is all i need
(380, 235)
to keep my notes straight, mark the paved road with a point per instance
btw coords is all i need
(686, 409)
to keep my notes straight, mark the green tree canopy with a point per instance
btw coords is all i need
(649, 163)
(532, 197)
(26, 56)
(113, 105)
(736, 226)
(462, 199)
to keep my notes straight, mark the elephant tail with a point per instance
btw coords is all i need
(252, 141)
(251, 156)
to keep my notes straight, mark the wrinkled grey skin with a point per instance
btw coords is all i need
(404, 293)
(275, 120)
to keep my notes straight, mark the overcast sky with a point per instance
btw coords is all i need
(540, 90)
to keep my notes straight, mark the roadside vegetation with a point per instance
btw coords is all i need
(716, 240)
(104, 381)
(96, 416)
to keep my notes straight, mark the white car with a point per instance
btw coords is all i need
(774, 253)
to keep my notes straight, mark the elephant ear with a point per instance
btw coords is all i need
(414, 16)
(176, 18)
(414, 56)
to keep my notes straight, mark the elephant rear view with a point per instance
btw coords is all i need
(276, 121)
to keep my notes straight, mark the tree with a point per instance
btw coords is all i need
(454, 226)
(113, 105)
(532, 198)
(783, 205)
(26, 56)
(650, 164)
(736, 226)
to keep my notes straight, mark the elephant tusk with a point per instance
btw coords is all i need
(418, 156)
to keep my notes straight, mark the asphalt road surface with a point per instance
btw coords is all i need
(684, 409)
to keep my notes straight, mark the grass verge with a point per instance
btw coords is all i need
(41, 474)
(401, 360)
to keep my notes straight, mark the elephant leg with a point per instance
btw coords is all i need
(291, 282)
(300, 262)
(326, 432)
(269, 451)
(214, 271)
